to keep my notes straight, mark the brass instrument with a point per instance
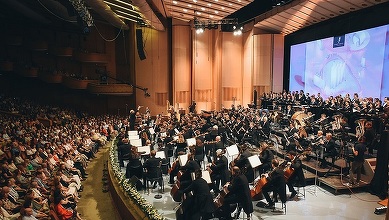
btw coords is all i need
(336, 124)
(360, 129)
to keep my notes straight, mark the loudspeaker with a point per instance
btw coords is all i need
(139, 44)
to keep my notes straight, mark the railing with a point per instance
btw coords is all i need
(126, 194)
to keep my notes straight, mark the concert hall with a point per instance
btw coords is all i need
(194, 109)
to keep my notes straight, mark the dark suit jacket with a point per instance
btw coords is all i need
(202, 198)
(240, 187)
(152, 166)
(221, 168)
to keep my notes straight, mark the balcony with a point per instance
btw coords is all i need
(74, 83)
(53, 77)
(91, 57)
(110, 89)
(61, 51)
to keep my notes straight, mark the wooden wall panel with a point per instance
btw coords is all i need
(182, 72)
(278, 62)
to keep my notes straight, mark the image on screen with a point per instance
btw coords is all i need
(350, 63)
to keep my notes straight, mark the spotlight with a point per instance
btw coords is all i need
(237, 31)
(199, 30)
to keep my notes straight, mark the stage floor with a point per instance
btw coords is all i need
(319, 203)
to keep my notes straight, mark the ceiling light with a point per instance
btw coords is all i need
(203, 9)
(125, 3)
(194, 1)
(211, 16)
(199, 13)
(185, 10)
(120, 16)
(199, 30)
(222, 8)
(175, 2)
(216, 12)
(118, 6)
(209, 4)
(189, 5)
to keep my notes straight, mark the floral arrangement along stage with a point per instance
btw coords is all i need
(129, 189)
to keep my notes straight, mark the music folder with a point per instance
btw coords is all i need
(144, 149)
(151, 130)
(160, 154)
(254, 161)
(136, 142)
(206, 176)
(232, 150)
(183, 159)
(191, 141)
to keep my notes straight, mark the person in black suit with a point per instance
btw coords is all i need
(190, 167)
(219, 168)
(330, 150)
(266, 156)
(153, 169)
(200, 205)
(294, 163)
(124, 151)
(238, 192)
(275, 183)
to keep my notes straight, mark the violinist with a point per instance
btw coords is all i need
(266, 156)
(181, 145)
(237, 192)
(134, 166)
(198, 151)
(275, 183)
(219, 169)
(294, 163)
(200, 205)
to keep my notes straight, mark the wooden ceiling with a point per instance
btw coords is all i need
(299, 14)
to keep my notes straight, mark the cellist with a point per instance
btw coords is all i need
(276, 183)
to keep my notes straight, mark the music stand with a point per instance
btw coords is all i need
(160, 154)
(132, 133)
(182, 159)
(145, 150)
(191, 142)
(136, 142)
(133, 137)
(254, 162)
(205, 175)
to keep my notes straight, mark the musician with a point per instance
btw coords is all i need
(290, 133)
(200, 205)
(190, 167)
(295, 164)
(152, 168)
(219, 168)
(289, 111)
(370, 136)
(134, 166)
(275, 183)
(199, 151)
(219, 144)
(238, 192)
(359, 159)
(330, 150)
(181, 145)
(192, 107)
(124, 151)
(266, 156)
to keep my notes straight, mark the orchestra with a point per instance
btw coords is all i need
(294, 121)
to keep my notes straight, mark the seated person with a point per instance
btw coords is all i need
(153, 169)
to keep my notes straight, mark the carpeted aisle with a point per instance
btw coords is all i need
(94, 203)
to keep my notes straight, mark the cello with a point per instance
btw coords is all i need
(256, 191)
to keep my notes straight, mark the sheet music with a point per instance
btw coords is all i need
(151, 130)
(205, 176)
(163, 134)
(232, 150)
(133, 137)
(145, 149)
(183, 159)
(175, 138)
(160, 154)
(136, 142)
(132, 133)
(254, 161)
(176, 130)
(191, 141)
